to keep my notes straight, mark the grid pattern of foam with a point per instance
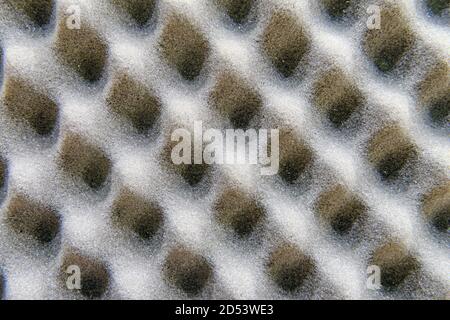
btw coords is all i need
(292, 99)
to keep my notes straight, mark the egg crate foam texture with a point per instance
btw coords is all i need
(92, 90)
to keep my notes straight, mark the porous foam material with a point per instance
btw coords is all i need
(85, 122)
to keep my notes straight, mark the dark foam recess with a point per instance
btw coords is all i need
(187, 270)
(285, 42)
(396, 263)
(84, 161)
(184, 46)
(137, 214)
(238, 210)
(289, 267)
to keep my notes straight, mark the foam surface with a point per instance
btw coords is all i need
(239, 265)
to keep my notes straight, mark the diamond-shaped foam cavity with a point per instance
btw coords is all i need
(184, 46)
(386, 46)
(389, 150)
(339, 207)
(27, 104)
(32, 218)
(187, 270)
(337, 96)
(233, 97)
(82, 49)
(295, 155)
(438, 6)
(238, 210)
(84, 161)
(285, 42)
(131, 100)
(396, 263)
(135, 213)
(289, 267)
